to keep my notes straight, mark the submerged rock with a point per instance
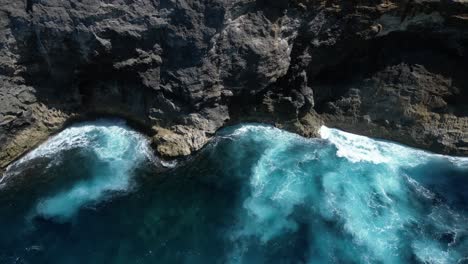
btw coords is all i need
(390, 69)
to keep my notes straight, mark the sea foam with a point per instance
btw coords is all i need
(115, 150)
(256, 194)
(357, 197)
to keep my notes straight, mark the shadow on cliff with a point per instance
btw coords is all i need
(439, 56)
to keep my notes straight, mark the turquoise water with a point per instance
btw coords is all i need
(96, 194)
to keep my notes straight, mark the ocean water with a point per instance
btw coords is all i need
(95, 193)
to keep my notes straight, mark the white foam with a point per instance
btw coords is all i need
(169, 163)
(429, 252)
(374, 204)
(115, 145)
(118, 149)
(357, 148)
(2, 184)
(267, 131)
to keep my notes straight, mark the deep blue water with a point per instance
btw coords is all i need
(95, 194)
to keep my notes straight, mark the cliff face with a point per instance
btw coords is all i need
(184, 68)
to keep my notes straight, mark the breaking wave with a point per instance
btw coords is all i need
(352, 198)
(113, 150)
(256, 194)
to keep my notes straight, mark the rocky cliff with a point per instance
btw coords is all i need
(182, 69)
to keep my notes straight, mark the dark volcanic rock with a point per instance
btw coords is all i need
(184, 68)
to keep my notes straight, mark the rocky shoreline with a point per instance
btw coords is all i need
(183, 69)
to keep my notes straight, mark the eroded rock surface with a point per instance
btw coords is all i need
(183, 69)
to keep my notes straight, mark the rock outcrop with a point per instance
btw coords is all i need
(182, 69)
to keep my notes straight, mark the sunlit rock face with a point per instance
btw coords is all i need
(255, 194)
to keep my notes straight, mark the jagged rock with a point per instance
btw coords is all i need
(183, 69)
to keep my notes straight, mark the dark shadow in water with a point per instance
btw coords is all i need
(448, 182)
(188, 214)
